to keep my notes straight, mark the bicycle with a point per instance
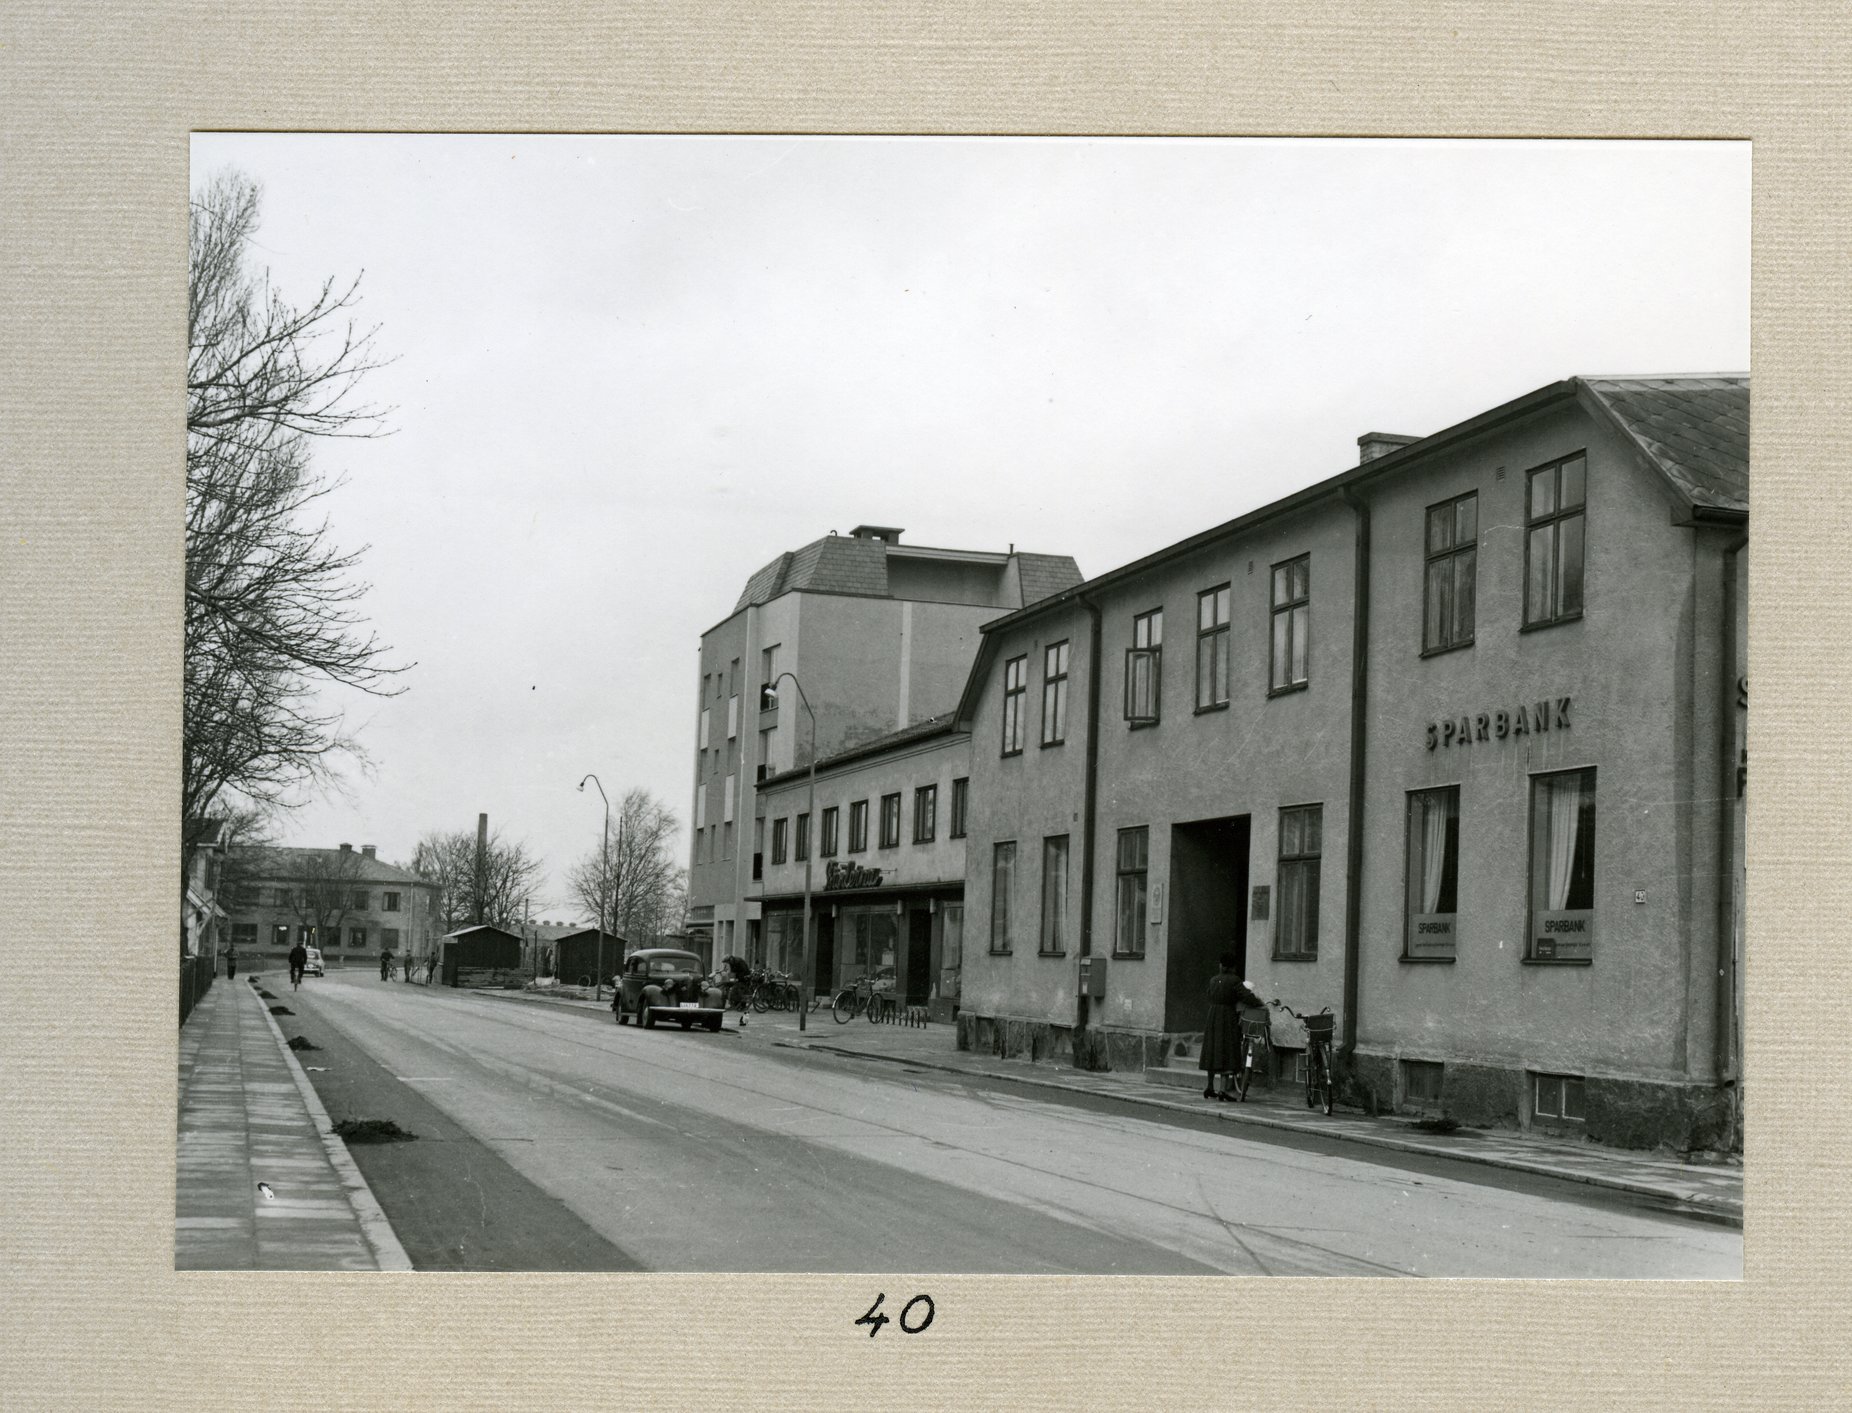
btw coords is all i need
(1319, 1085)
(1256, 1040)
(852, 1000)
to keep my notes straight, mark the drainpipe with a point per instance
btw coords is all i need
(1359, 701)
(1725, 1040)
(1090, 791)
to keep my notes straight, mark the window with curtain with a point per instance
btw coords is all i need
(858, 826)
(1002, 894)
(1433, 871)
(890, 821)
(961, 800)
(1452, 574)
(1134, 861)
(827, 845)
(1212, 648)
(1555, 525)
(779, 830)
(1054, 895)
(1292, 623)
(1295, 936)
(925, 814)
(1562, 867)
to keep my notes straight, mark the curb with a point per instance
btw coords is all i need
(1701, 1207)
(373, 1224)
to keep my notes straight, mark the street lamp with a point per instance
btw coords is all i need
(768, 697)
(604, 882)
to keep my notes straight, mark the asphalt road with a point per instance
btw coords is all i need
(550, 1141)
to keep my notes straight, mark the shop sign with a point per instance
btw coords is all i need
(1525, 720)
(1564, 936)
(1430, 935)
(850, 875)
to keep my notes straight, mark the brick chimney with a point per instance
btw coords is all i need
(368, 850)
(1374, 444)
(347, 848)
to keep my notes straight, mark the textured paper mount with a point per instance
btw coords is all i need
(98, 107)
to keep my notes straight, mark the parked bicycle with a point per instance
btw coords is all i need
(1256, 1049)
(1319, 1084)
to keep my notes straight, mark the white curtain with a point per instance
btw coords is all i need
(1433, 850)
(1565, 818)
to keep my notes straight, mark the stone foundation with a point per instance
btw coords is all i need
(1094, 1048)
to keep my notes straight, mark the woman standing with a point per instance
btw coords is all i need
(1221, 1055)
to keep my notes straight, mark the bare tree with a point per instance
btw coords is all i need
(325, 893)
(644, 894)
(496, 893)
(271, 603)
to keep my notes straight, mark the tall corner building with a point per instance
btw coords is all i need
(880, 635)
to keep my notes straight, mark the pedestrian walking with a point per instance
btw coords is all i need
(430, 968)
(1221, 1055)
(231, 963)
(385, 964)
(405, 973)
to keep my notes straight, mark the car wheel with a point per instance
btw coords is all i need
(618, 1012)
(645, 1016)
(714, 1024)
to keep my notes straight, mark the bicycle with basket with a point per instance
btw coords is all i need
(1319, 1084)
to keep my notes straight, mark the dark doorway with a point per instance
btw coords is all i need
(823, 965)
(1208, 912)
(919, 956)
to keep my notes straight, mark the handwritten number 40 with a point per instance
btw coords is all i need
(909, 1322)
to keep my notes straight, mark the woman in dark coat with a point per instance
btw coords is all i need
(1228, 993)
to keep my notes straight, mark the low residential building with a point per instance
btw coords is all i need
(887, 878)
(346, 901)
(1449, 743)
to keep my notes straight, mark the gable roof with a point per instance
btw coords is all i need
(1694, 431)
(274, 861)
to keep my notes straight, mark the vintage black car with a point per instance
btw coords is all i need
(666, 985)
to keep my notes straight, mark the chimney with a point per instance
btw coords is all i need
(347, 848)
(887, 534)
(368, 850)
(1374, 444)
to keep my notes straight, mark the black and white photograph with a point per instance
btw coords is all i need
(1001, 705)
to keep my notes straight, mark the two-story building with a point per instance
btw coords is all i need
(879, 636)
(346, 901)
(1449, 743)
(887, 879)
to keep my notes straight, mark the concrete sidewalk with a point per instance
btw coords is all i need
(1711, 1190)
(249, 1120)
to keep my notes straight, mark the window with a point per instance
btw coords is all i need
(925, 814)
(858, 826)
(286, 898)
(765, 753)
(726, 803)
(1554, 523)
(359, 902)
(1433, 871)
(768, 665)
(391, 902)
(1292, 623)
(726, 840)
(706, 715)
(1562, 867)
(279, 935)
(1129, 928)
(803, 838)
(1002, 892)
(1015, 690)
(1301, 841)
(1556, 1096)
(306, 936)
(357, 938)
(244, 934)
(700, 807)
(389, 939)
(733, 717)
(828, 846)
(1212, 648)
(890, 821)
(1421, 1081)
(1054, 694)
(1142, 663)
(779, 830)
(961, 798)
(1452, 574)
(1054, 896)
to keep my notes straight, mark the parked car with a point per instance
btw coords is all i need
(662, 984)
(313, 966)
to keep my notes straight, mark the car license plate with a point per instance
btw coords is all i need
(690, 1005)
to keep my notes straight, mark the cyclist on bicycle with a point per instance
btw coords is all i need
(1221, 1055)
(737, 971)
(298, 959)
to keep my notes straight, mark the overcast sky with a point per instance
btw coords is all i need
(630, 371)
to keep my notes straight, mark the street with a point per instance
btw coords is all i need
(550, 1140)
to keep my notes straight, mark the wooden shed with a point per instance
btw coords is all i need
(482, 957)
(587, 957)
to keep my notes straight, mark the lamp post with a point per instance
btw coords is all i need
(604, 881)
(768, 696)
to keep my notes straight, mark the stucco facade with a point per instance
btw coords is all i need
(1441, 796)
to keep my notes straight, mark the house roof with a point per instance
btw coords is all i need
(857, 564)
(942, 724)
(272, 861)
(476, 927)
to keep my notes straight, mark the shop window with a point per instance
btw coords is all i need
(1433, 872)
(951, 949)
(925, 814)
(1295, 937)
(1292, 623)
(1054, 896)
(890, 821)
(1555, 527)
(858, 827)
(1054, 694)
(1452, 574)
(1015, 692)
(1144, 662)
(1129, 919)
(961, 799)
(1421, 1081)
(780, 828)
(1557, 1096)
(827, 846)
(1002, 894)
(1562, 867)
(1212, 648)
